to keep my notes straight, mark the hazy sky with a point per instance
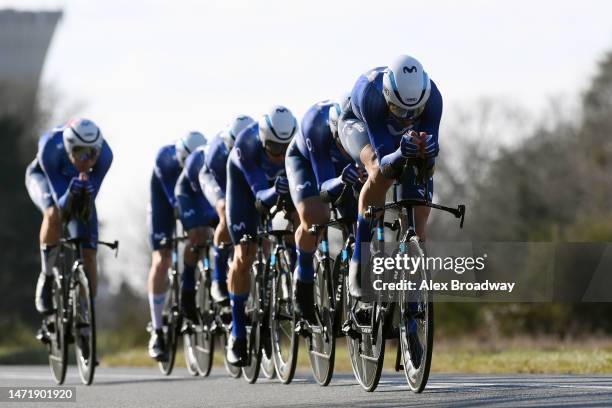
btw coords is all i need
(149, 70)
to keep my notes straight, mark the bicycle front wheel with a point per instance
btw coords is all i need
(366, 344)
(254, 314)
(171, 323)
(417, 327)
(322, 343)
(203, 344)
(84, 326)
(282, 323)
(58, 334)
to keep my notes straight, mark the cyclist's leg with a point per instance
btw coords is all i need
(356, 142)
(50, 232)
(310, 208)
(161, 224)
(196, 216)
(216, 197)
(242, 219)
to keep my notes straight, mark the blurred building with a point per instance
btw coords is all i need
(24, 39)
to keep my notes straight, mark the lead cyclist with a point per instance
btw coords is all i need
(395, 114)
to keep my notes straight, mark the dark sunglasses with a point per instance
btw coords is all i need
(84, 153)
(275, 148)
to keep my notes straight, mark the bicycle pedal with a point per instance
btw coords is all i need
(349, 330)
(43, 336)
(303, 329)
(187, 329)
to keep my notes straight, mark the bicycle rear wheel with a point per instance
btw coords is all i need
(417, 327)
(84, 326)
(254, 314)
(58, 334)
(367, 346)
(282, 323)
(322, 343)
(171, 323)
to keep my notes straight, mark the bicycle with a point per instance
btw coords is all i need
(411, 319)
(328, 292)
(73, 316)
(171, 316)
(269, 307)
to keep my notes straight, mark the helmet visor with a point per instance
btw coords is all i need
(402, 113)
(275, 148)
(84, 153)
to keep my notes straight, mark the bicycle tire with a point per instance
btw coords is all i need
(322, 343)
(254, 312)
(203, 345)
(285, 340)
(86, 366)
(367, 356)
(171, 323)
(422, 313)
(58, 345)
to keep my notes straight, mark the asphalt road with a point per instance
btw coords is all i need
(145, 387)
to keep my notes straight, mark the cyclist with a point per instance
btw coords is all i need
(255, 178)
(63, 182)
(400, 109)
(212, 182)
(318, 168)
(162, 212)
(196, 215)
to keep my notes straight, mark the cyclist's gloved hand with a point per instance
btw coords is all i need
(281, 185)
(349, 175)
(88, 187)
(410, 146)
(431, 146)
(76, 186)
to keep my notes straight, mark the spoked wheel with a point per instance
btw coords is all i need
(203, 339)
(171, 324)
(367, 345)
(282, 323)
(254, 313)
(417, 328)
(233, 371)
(322, 343)
(58, 335)
(84, 327)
